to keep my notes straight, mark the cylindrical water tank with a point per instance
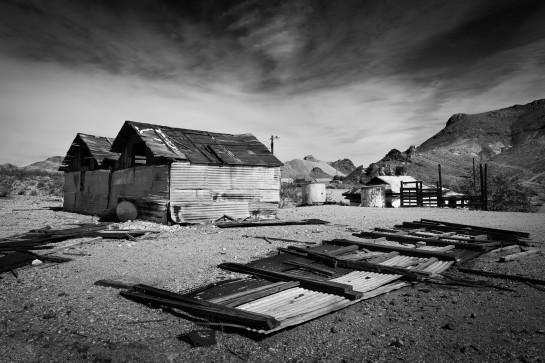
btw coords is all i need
(313, 193)
(373, 196)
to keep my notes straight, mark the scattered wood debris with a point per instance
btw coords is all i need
(302, 283)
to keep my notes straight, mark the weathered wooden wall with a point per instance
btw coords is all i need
(86, 191)
(200, 193)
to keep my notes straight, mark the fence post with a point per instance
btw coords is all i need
(482, 185)
(485, 187)
(401, 196)
(440, 191)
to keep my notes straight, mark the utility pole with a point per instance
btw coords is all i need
(272, 142)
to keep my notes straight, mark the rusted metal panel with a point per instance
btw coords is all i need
(198, 147)
(243, 177)
(201, 193)
(257, 195)
(207, 212)
(224, 183)
(184, 176)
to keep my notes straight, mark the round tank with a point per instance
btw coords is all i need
(313, 193)
(373, 196)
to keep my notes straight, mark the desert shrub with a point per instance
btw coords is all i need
(290, 194)
(6, 185)
(505, 194)
(23, 181)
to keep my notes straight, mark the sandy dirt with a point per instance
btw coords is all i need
(53, 312)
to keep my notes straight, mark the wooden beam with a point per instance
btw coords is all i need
(325, 286)
(478, 228)
(310, 267)
(267, 224)
(502, 276)
(367, 266)
(224, 313)
(516, 256)
(404, 250)
(429, 241)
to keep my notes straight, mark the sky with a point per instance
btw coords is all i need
(333, 79)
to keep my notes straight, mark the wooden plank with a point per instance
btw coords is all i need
(310, 267)
(306, 282)
(227, 314)
(113, 283)
(342, 250)
(502, 276)
(243, 297)
(274, 223)
(461, 230)
(503, 249)
(516, 256)
(404, 250)
(431, 242)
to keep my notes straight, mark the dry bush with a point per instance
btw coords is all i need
(6, 185)
(290, 195)
(21, 181)
(505, 194)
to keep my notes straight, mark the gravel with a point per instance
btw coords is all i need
(54, 312)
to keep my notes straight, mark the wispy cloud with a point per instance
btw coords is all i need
(334, 79)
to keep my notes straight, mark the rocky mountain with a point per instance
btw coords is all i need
(309, 166)
(510, 140)
(345, 166)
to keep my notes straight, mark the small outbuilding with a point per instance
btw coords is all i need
(393, 187)
(190, 176)
(87, 168)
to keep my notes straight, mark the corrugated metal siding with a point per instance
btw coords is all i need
(145, 186)
(201, 193)
(206, 212)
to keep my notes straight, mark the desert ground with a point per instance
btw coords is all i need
(54, 312)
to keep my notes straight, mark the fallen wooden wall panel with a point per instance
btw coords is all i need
(223, 313)
(405, 250)
(306, 282)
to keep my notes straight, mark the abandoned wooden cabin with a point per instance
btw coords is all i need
(189, 176)
(87, 167)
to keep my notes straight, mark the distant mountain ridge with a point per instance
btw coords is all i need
(510, 140)
(50, 164)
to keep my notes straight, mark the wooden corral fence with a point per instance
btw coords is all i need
(413, 194)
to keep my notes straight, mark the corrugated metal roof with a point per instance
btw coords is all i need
(97, 147)
(197, 147)
(393, 181)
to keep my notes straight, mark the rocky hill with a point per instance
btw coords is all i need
(345, 166)
(40, 178)
(510, 140)
(312, 167)
(50, 164)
